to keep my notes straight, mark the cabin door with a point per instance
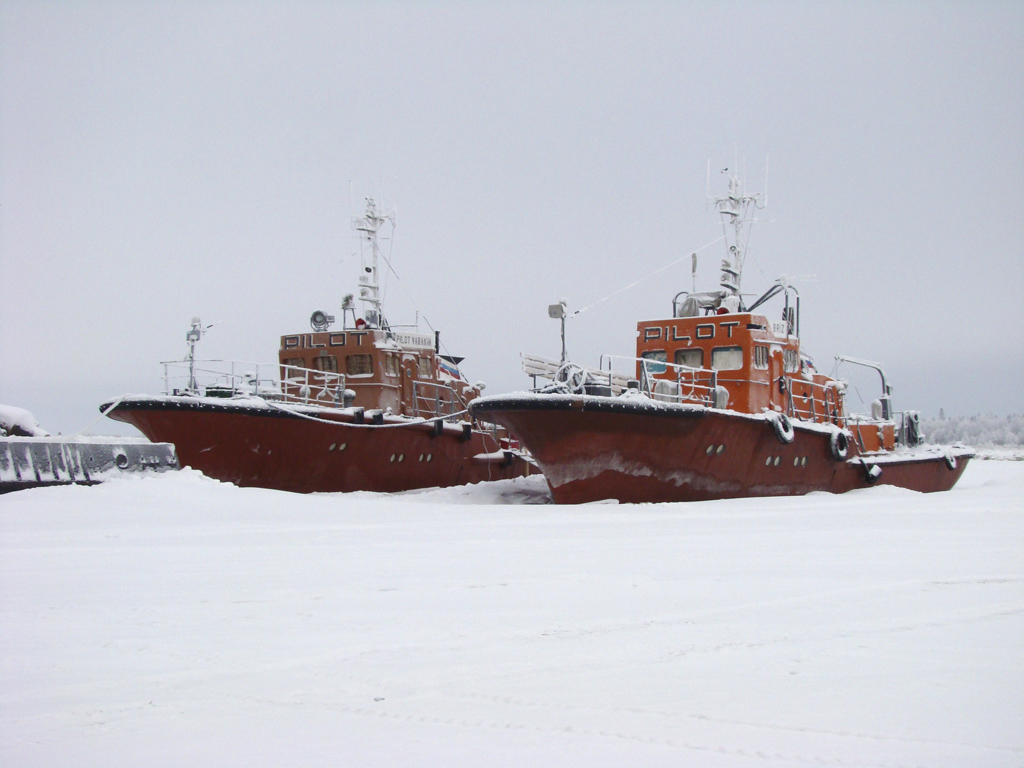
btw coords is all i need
(776, 398)
(409, 392)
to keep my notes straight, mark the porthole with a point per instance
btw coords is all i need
(768, 461)
(430, 457)
(392, 457)
(421, 457)
(331, 447)
(710, 449)
(777, 460)
(720, 449)
(796, 461)
(343, 446)
(803, 462)
(401, 457)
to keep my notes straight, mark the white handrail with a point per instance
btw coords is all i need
(233, 378)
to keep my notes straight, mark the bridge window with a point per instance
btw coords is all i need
(391, 364)
(691, 358)
(326, 363)
(761, 357)
(657, 359)
(293, 362)
(424, 368)
(727, 358)
(790, 361)
(358, 365)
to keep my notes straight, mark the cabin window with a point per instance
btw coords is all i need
(727, 358)
(391, 364)
(657, 358)
(293, 362)
(424, 368)
(691, 358)
(761, 357)
(326, 363)
(790, 361)
(358, 365)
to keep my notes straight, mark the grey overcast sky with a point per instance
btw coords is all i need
(165, 160)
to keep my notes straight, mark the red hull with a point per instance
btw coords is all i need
(593, 448)
(266, 447)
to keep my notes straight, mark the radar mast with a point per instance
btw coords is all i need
(369, 281)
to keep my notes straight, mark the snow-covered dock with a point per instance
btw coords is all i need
(174, 620)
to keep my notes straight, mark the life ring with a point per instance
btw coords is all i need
(572, 376)
(950, 461)
(783, 428)
(839, 445)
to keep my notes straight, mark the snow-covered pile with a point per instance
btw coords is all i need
(178, 621)
(19, 422)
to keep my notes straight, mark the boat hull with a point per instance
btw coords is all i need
(592, 448)
(253, 443)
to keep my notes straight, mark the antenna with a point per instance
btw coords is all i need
(193, 336)
(369, 282)
(557, 312)
(765, 182)
(735, 209)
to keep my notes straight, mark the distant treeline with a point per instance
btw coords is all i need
(987, 431)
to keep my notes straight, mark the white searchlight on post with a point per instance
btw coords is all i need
(557, 312)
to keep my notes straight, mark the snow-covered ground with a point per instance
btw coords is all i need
(174, 621)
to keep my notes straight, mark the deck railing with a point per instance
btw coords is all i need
(431, 399)
(233, 378)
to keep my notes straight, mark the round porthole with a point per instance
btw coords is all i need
(777, 460)
(421, 457)
(768, 461)
(796, 461)
(401, 457)
(392, 457)
(343, 446)
(720, 449)
(803, 462)
(711, 448)
(331, 447)
(430, 457)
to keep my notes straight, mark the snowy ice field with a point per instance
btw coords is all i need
(174, 620)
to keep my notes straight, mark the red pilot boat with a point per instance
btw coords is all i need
(718, 403)
(365, 407)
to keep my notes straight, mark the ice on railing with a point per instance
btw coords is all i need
(232, 378)
(548, 369)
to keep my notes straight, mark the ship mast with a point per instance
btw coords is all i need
(369, 281)
(736, 210)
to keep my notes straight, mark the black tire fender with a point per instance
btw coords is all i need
(839, 445)
(783, 428)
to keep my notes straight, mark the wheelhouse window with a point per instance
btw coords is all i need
(727, 358)
(790, 360)
(293, 362)
(424, 368)
(761, 357)
(391, 364)
(656, 360)
(326, 363)
(691, 358)
(358, 365)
